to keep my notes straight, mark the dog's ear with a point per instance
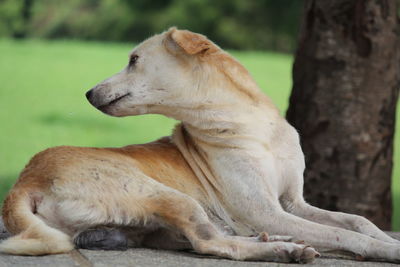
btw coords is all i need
(188, 42)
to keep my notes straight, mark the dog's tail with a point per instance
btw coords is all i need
(32, 235)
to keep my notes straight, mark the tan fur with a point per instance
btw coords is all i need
(192, 43)
(163, 162)
(232, 168)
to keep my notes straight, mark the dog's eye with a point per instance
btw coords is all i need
(132, 60)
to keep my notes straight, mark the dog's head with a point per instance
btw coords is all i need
(167, 73)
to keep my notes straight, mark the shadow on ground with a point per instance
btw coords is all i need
(140, 257)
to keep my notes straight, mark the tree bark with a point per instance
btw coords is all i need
(346, 78)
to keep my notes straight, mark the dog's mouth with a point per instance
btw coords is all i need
(113, 102)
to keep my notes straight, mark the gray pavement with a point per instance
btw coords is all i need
(152, 258)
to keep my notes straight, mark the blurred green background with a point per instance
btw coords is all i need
(239, 24)
(53, 51)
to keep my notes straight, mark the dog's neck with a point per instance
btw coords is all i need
(230, 125)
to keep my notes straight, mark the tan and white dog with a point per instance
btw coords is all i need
(233, 168)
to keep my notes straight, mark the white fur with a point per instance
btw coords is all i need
(255, 159)
(246, 157)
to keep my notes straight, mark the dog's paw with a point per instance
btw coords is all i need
(308, 255)
(296, 253)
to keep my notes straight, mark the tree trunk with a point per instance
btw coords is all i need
(346, 83)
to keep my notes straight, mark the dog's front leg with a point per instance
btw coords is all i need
(329, 237)
(252, 186)
(338, 219)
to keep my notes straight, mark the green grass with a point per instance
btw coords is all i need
(42, 103)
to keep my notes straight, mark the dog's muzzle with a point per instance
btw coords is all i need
(101, 102)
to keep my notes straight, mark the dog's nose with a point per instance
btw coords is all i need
(89, 94)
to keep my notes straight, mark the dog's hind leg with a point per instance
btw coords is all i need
(181, 212)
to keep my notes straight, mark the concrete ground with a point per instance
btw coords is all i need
(153, 258)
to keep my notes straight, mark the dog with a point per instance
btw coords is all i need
(228, 182)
